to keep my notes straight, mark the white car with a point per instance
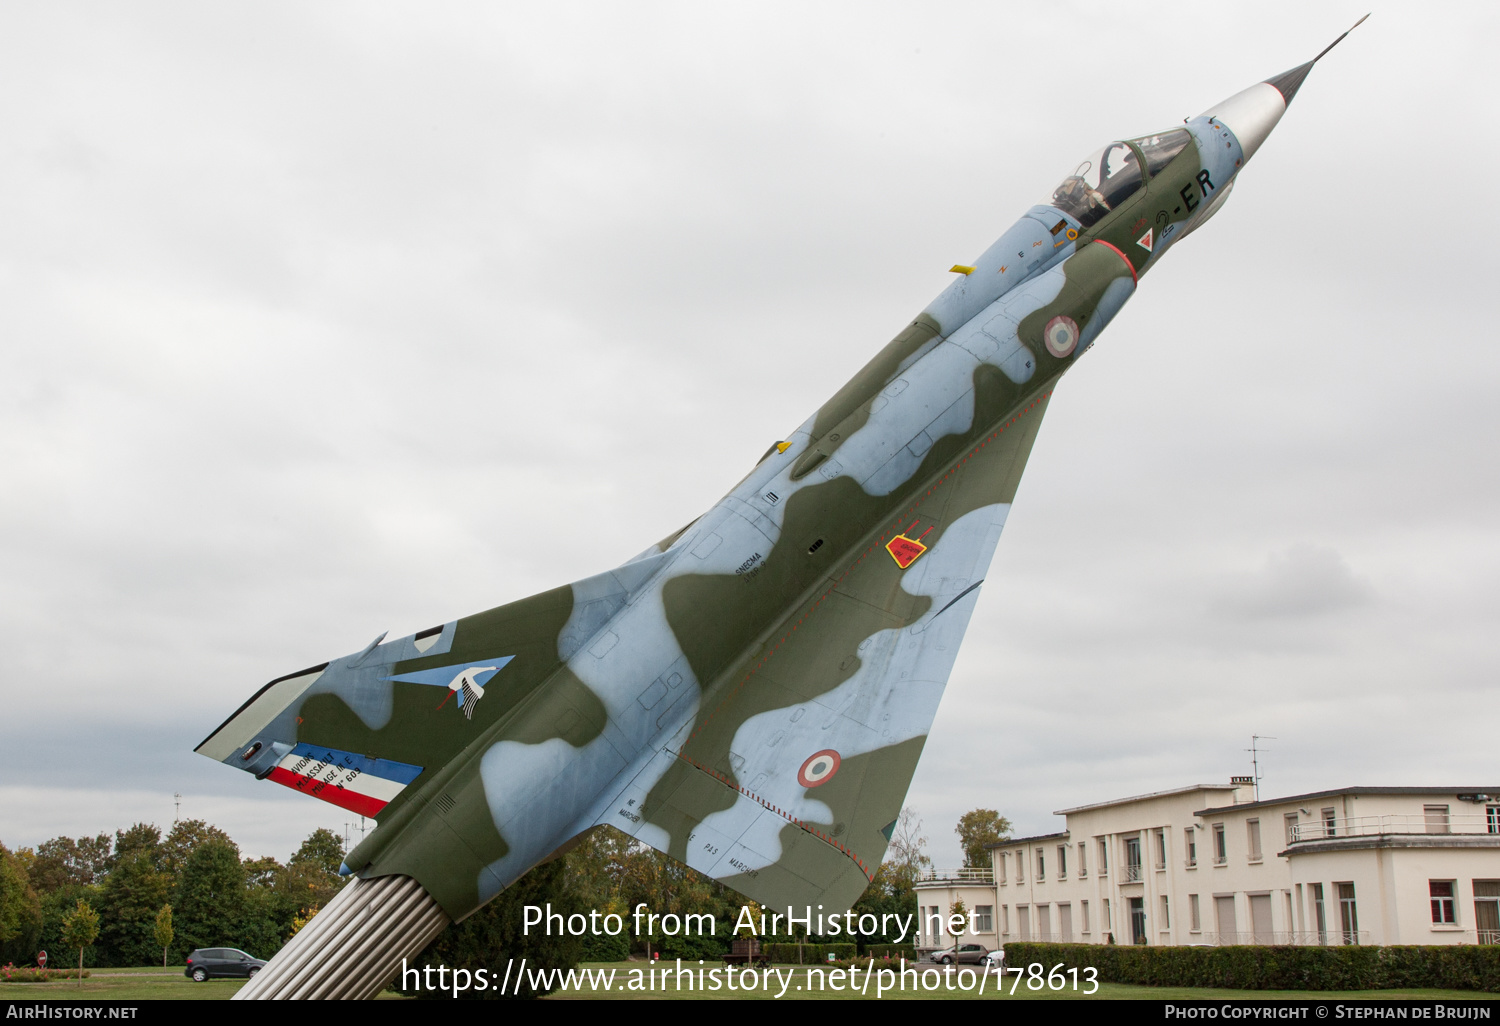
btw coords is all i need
(994, 960)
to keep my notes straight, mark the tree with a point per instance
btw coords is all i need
(56, 907)
(129, 899)
(140, 839)
(905, 855)
(79, 928)
(302, 918)
(262, 872)
(20, 909)
(977, 830)
(312, 875)
(163, 932)
(323, 849)
(955, 911)
(210, 895)
(884, 899)
(63, 861)
(185, 838)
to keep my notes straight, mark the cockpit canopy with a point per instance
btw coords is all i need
(1110, 176)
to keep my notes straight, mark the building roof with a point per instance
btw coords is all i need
(1493, 793)
(1027, 840)
(1153, 794)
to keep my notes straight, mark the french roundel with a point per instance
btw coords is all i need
(1061, 335)
(819, 768)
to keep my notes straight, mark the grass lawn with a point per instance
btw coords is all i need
(135, 983)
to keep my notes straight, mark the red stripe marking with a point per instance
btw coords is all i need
(340, 796)
(1123, 257)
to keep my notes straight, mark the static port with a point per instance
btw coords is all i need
(815, 546)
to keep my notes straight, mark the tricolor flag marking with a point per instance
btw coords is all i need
(354, 782)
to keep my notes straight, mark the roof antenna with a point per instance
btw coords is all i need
(1254, 738)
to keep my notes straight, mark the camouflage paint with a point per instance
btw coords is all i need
(683, 696)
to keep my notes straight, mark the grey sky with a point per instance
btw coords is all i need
(323, 320)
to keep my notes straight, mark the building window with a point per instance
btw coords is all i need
(1441, 894)
(1190, 845)
(1062, 861)
(1138, 921)
(1104, 856)
(1083, 859)
(1166, 916)
(1083, 912)
(1487, 911)
(984, 918)
(1195, 915)
(1108, 919)
(1161, 850)
(1000, 860)
(1023, 916)
(1436, 817)
(1348, 914)
(1252, 835)
(1041, 864)
(1320, 915)
(1330, 822)
(1225, 921)
(1221, 846)
(1289, 825)
(1492, 818)
(1005, 920)
(1021, 867)
(1132, 859)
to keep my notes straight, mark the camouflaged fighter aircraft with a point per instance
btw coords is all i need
(751, 694)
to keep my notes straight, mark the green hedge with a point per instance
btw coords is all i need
(812, 953)
(1256, 967)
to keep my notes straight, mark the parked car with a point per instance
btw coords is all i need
(205, 963)
(969, 954)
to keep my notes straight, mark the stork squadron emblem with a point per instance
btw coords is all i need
(467, 682)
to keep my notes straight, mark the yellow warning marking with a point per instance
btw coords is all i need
(961, 269)
(904, 550)
(783, 446)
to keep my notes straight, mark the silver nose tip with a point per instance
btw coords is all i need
(1251, 114)
(1288, 82)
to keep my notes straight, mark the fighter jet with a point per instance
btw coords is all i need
(751, 694)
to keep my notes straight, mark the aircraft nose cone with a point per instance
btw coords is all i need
(1288, 82)
(1252, 113)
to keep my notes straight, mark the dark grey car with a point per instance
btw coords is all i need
(205, 963)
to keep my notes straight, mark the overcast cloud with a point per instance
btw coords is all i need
(323, 320)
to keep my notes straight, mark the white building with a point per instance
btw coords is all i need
(1207, 864)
